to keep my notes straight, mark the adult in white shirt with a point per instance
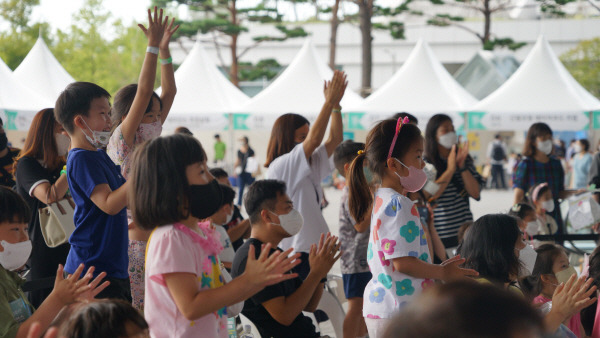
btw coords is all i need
(296, 156)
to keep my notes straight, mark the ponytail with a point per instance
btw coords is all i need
(360, 198)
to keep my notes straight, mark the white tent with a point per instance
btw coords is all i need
(422, 87)
(41, 72)
(298, 89)
(18, 103)
(204, 94)
(541, 90)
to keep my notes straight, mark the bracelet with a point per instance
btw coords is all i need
(166, 61)
(336, 110)
(153, 50)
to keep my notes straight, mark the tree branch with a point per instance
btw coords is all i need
(218, 49)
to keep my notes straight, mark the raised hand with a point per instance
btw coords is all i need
(452, 159)
(571, 297)
(168, 33)
(334, 89)
(321, 257)
(461, 156)
(452, 271)
(156, 27)
(270, 269)
(94, 289)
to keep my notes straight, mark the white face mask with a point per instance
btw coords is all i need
(577, 148)
(527, 256)
(447, 140)
(563, 276)
(545, 146)
(548, 205)
(291, 222)
(532, 228)
(229, 217)
(62, 143)
(100, 138)
(149, 131)
(15, 255)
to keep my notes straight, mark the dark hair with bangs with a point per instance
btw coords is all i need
(489, 248)
(159, 188)
(123, 101)
(13, 208)
(262, 195)
(282, 135)
(228, 194)
(376, 152)
(521, 210)
(536, 130)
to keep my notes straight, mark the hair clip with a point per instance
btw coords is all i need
(360, 152)
(516, 208)
(399, 124)
(536, 191)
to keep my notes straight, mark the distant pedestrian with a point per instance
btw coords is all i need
(496, 154)
(220, 149)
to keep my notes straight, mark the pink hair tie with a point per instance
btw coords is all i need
(399, 123)
(536, 191)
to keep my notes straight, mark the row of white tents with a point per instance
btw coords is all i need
(540, 90)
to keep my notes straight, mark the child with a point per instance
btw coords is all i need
(185, 293)
(137, 116)
(16, 314)
(354, 238)
(238, 228)
(541, 198)
(223, 216)
(527, 218)
(551, 269)
(97, 187)
(398, 254)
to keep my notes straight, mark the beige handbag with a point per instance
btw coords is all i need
(56, 220)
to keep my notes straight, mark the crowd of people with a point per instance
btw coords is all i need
(159, 246)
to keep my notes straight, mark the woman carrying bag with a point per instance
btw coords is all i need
(40, 182)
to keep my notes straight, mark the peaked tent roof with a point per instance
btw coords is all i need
(16, 96)
(41, 72)
(541, 85)
(202, 88)
(421, 86)
(299, 88)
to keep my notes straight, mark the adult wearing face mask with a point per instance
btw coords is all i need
(456, 178)
(296, 156)
(244, 177)
(39, 182)
(539, 166)
(581, 163)
(7, 157)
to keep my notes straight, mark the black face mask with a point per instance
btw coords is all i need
(205, 199)
(3, 141)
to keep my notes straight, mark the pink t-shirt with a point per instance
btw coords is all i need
(574, 322)
(177, 248)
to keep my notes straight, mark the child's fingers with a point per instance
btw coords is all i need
(160, 17)
(251, 255)
(155, 14)
(143, 28)
(100, 288)
(469, 272)
(97, 280)
(321, 242)
(59, 274)
(175, 30)
(75, 276)
(264, 254)
(149, 15)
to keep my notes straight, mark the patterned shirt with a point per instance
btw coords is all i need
(396, 232)
(354, 243)
(530, 172)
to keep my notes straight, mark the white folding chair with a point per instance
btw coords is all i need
(245, 321)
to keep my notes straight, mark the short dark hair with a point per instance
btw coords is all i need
(76, 100)
(101, 318)
(262, 195)
(498, 136)
(411, 117)
(183, 130)
(217, 136)
(123, 101)
(489, 247)
(585, 144)
(218, 173)
(536, 130)
(520, 210)
(13, 207)
(345, 152)
(228, 195)
(466, 309)
(159, 187)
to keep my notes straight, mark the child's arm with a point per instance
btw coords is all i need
(447, 271)
(194, 303)
(134, 117)
(167, 74)
(285, 309)
(239, 230)
(109, 201)
(66, 291)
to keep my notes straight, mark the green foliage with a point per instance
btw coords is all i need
(267, 68)
(503, 43)
(583, 62)
(17, 12)
(553, 8)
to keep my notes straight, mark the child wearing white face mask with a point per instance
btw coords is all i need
(541, 198)
(551, 269)
(223, 216)
(137, 115)
(17, 315)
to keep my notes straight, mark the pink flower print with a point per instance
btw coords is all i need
(373, 317)
(427, 283)
(378, 203)
(388, 246)
(375, 229)
(384, 261)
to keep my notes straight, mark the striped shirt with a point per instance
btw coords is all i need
(530, 172)
(453, 208)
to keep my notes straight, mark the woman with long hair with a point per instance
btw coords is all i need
(40, 182)
(456, 177)
(296, 156)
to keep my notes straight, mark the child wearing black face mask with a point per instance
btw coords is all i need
(7, 158)
(186, 292)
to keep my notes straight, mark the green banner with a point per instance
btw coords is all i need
(353, 121)
(239, 121)
(595, 119)
(474, 121)
(11, 118)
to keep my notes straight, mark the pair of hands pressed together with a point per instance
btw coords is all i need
(323, 255)
(458, 156)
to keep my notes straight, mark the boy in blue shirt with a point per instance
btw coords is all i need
(98, 189)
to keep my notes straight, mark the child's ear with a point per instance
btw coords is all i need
(346, 167)
(78, 122)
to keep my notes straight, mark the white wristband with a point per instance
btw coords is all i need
(153, 50)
